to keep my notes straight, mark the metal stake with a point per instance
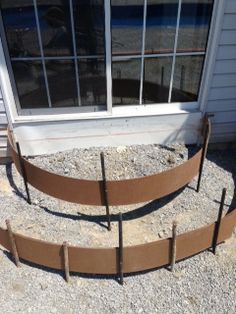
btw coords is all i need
(121, 250)
(162, 76)
(23, 172)
(12, 243)
(207, 129)
(173, 245)
(218, 222)
(66, 261)
(105, 192)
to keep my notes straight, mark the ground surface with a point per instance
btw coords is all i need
(202, 284)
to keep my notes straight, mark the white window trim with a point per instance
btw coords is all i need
(125, 111)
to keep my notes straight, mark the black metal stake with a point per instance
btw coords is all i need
(182, 78)
(121, 250)
(173, 245)
(23, 172)
(162, 76)
(204, 152)
(218, 222)
(105, 192)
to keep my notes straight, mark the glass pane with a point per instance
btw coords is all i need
(92, 78)
(161, 26)
(30, 84)
(62, 83)
(127, 26)
(156, 80)
(55, 25)
(187, 78)
(126, 82)
(20, 26)
(89, 27)
(194, 25)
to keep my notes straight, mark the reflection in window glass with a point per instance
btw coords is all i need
(62, 83)
(92, 78)
(156, 81)
(30, 84)
(127, 25)
(161, 26)
(126, 82)
(55, 25)
(194, 25)
(89, 20)
(187, 78)
(20, 27)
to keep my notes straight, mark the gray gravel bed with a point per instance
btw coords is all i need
(202, 284)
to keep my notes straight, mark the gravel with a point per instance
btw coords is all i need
(202, 284)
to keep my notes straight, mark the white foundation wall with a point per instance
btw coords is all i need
(49, 137)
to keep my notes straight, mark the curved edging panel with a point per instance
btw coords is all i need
(105, 260)
(120, 192)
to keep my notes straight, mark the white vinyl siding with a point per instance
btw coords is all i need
(3, 126)
(222, 93)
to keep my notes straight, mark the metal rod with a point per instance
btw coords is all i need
(162, 76)
(66, 261)
(23, 172)
(204, 150)
(105, 191)
(121, 250)
(12, 243)
(182, 78)
(173, 245)
(218, 222)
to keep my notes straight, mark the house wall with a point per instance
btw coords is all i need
(40, 137)
(222, 91)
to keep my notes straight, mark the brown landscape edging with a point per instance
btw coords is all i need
(105, 192)
(136, 258)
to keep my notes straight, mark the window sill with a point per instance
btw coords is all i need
(117, 112)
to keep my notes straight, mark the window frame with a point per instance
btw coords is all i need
(55, 114)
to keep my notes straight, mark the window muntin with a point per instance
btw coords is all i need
(155, 46)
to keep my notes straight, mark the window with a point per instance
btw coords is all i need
(59, 54)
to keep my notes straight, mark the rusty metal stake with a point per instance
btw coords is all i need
(204, 151)
(105, 192)
(173, 245)
(218, 222)
(66, 261)
(23, 172)
(12, 243)
(121, 250)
